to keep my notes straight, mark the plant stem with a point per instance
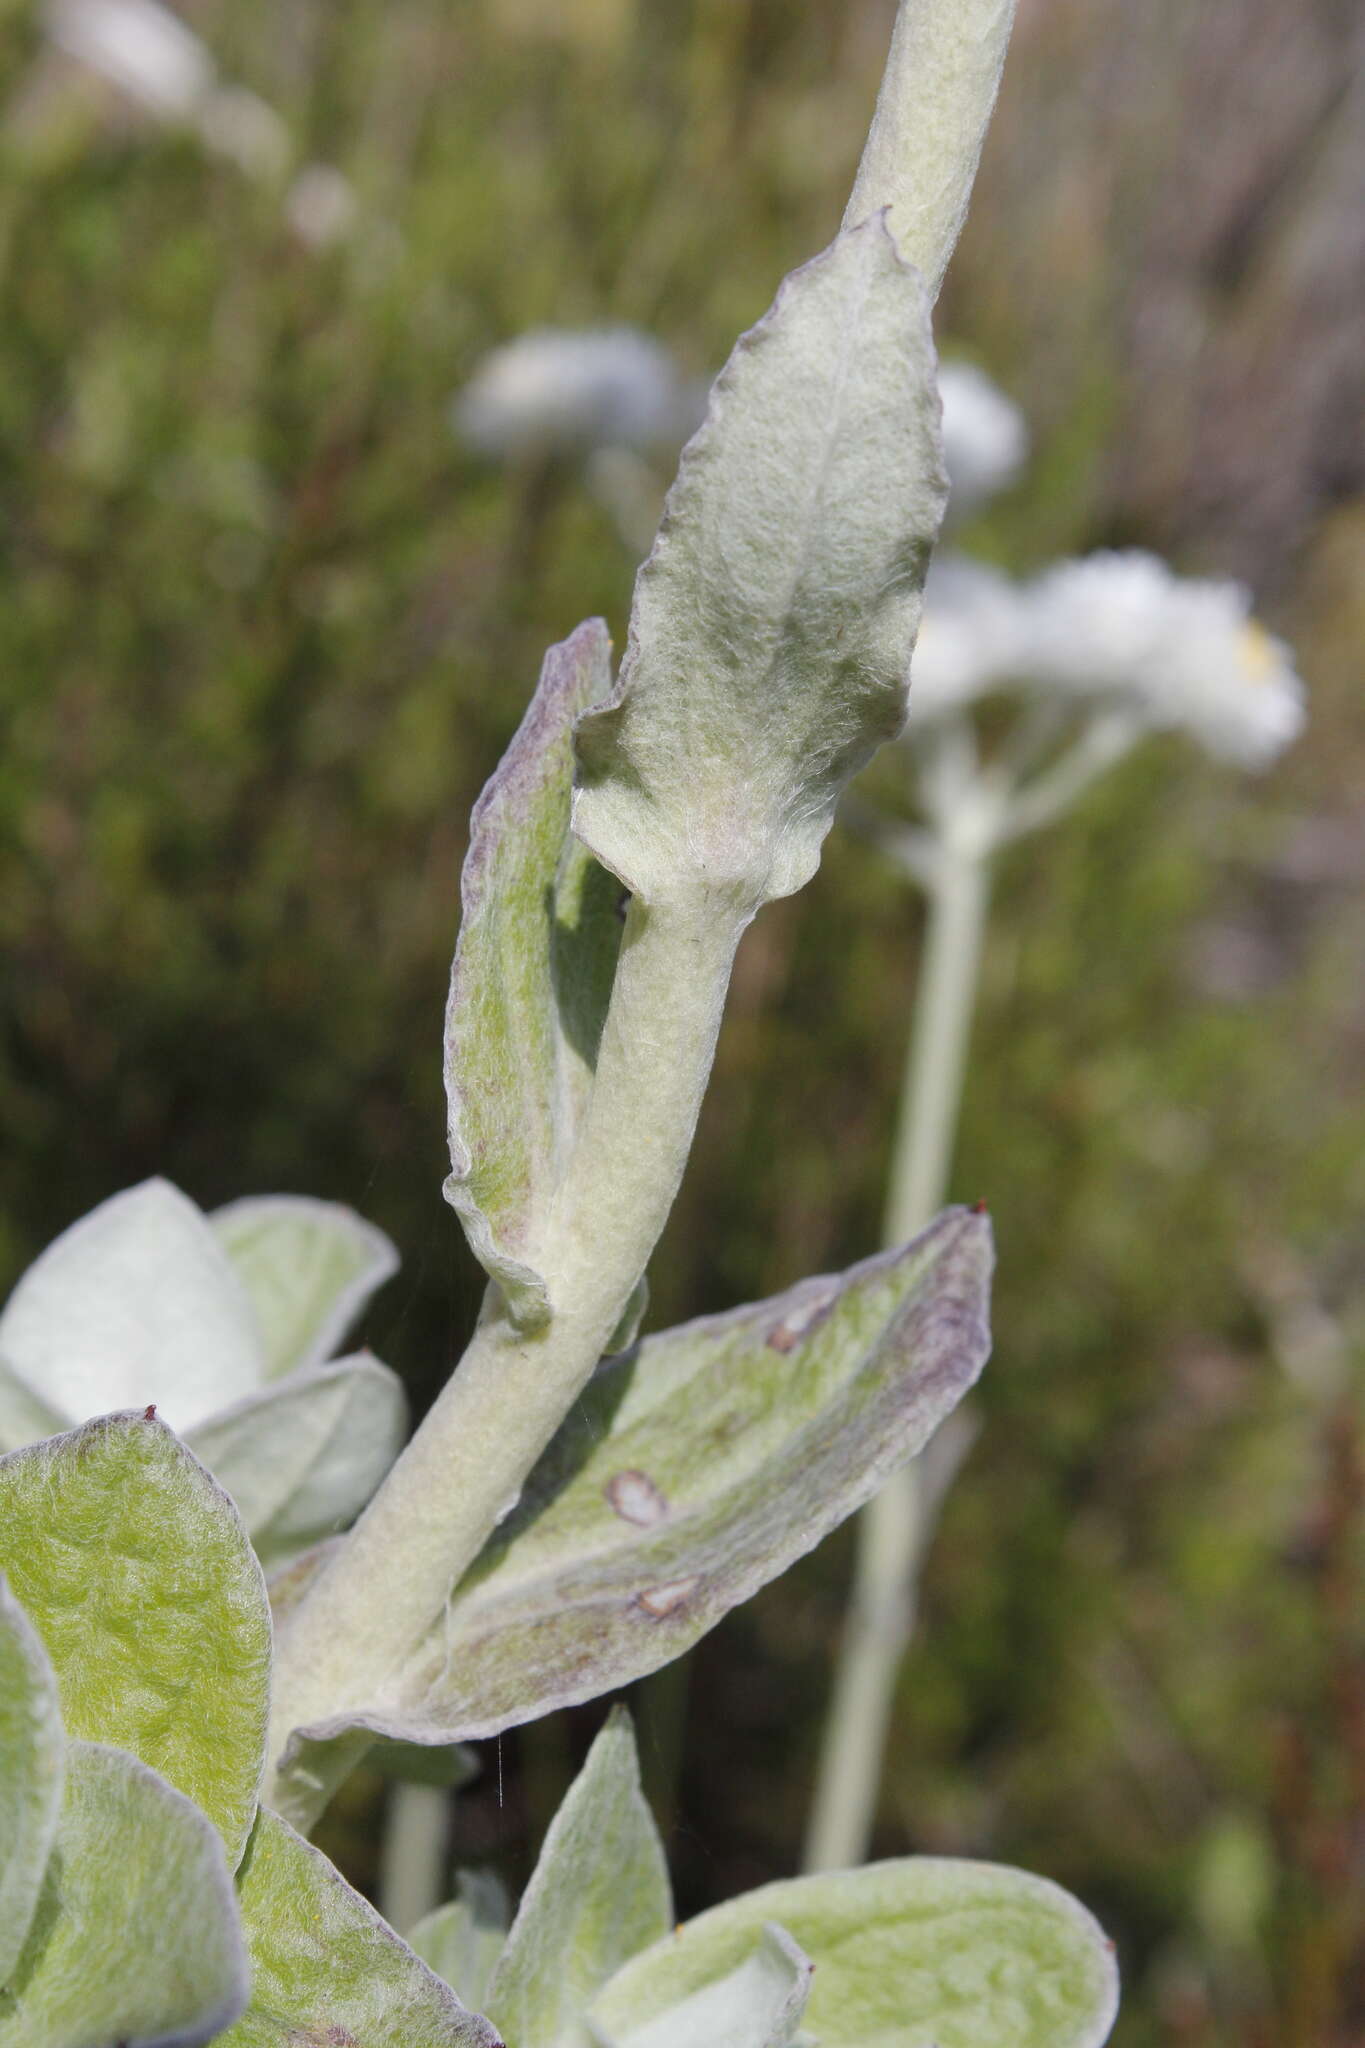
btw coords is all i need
(893, 1527)
(1052, 793)
(343, 1647)
(412, 1870)
(931, 1096)
(936, 97)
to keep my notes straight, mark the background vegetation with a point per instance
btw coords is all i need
(264, 629)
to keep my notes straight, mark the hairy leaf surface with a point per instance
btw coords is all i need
(693, 1470)
(758, 2005)
(923, 1953)
(24, 1417)
(136, 1940)
(772, 627)
(302, 1458)
(135, 1570)
(308, 1268)
(135, 1303)
(530, 982)
(598, 1895)
(32, 1746)
(462, 1941)
(326, 1969)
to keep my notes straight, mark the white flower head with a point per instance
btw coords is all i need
(238, 124)
(320, 205)
(971, 638)
(555, 391)
(1181, 653)
(140, 47)
(985, 439)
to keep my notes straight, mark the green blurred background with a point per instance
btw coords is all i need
(264, 629)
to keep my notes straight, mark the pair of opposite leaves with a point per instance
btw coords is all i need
(147, 1899)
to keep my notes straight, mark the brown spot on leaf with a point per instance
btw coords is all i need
(801, 1318)
(661, 1601)
(635, 1498)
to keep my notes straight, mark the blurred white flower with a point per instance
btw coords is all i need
(1182, 654)
(320, 205)
(146, 52)
(971, 638)
(985, 439)
(555, 391)
(138, 46)
(237, 123)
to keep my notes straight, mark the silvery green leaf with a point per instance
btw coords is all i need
(924, 1953)
(692, 1471)
(136, 1572)
(628, 1329)
(135, 1304)
(599, 1894)
(758, 2005)
(136, 1940)
(308, 1267)
(24, 1419)
(530, 982)
(302, 1457)
(325, 1967)
(32, 1745)
(773, 624)
(462, 1941)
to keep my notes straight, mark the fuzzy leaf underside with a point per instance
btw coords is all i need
(692, 1470)
(137, 1303)
(136, 1940)
(462, 1941)
(758, 2005)
(308, 1268)
(923, 1953)
(24, 1417)
(135, 1570)
(301, 1458)
(530, 981)
(772, 627)
(598, 1895)
(326, 1969)
(32, 1745)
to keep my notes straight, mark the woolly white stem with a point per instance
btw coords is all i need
(345, 1643)
(932, 111)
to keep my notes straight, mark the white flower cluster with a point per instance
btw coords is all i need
(985, 438)
(148, 54)
(1183, 654)
(557, 391)
(970, 637)
(160, 66)
(1111, 631)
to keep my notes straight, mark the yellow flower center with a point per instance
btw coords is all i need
(1257, 650)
